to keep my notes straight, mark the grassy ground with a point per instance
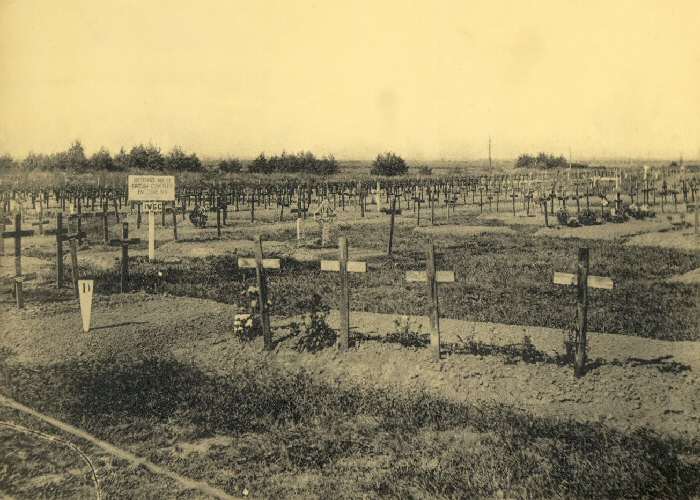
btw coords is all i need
(297, 436)
(503, 278)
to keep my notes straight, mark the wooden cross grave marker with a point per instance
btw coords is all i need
(123, 242)
(432, 277)
(260, 264)
(578, 280)
(392, 212)
(61, 236)
(344, 266)
(17, 235)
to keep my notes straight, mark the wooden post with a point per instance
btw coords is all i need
(151, 235)
(262, 294)
(74, 264)
(174, 221)
(138, 215)
(41, 218)
(124, 281)
(59, 250)
(582, 284)
(546, 219)
(218, 221)
(434, 304)
(391, 225)
(344, 340)
(2, 226)
(18, 262)
(105, 227)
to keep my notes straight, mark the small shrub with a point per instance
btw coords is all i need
(247, 326)
(314, 334)
(407, 335)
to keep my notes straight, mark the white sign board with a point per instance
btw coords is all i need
(151, 188)
(152, 206)
(85, 293)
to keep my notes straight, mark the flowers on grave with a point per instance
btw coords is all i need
(246, 327)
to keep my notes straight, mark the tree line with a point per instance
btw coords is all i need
(150, 158)
(544, 160)
(140, 157)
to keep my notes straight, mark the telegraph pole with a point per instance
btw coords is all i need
(490, 165)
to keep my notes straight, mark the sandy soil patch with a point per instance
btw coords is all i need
(655, 384)
(689, 278)
(457, 230)
(608, 231)
(315, 254)
(519, 219)
(678, 240)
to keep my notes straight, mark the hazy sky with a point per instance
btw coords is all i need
(427, 79)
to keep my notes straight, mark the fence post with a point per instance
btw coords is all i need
(582, 284)
(344, 340)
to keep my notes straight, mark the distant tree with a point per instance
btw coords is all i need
(146, 158)
(230, 165)
(101, 160)
(180, 161)
(389, 164)
(75, 156)
(303, 162)
(425, 170)
(121, 160)
(35, 161)
(6, 163)
(259, 165)
(542, 160)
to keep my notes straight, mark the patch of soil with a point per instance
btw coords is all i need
(679, 240)
(689, 278)
(458, 230)
(607, 231)
(305, 254)
(637, 382)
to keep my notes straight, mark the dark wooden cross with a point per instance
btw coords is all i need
(61, 236)
(432, 277)
(344, 266)
(124, 242)
(260, 264)
(17, 235)
(583, 281)
(392, 213)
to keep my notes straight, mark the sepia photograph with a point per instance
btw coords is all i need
(349, 249)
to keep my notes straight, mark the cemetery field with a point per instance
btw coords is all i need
(503, 273)
(162, 377)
